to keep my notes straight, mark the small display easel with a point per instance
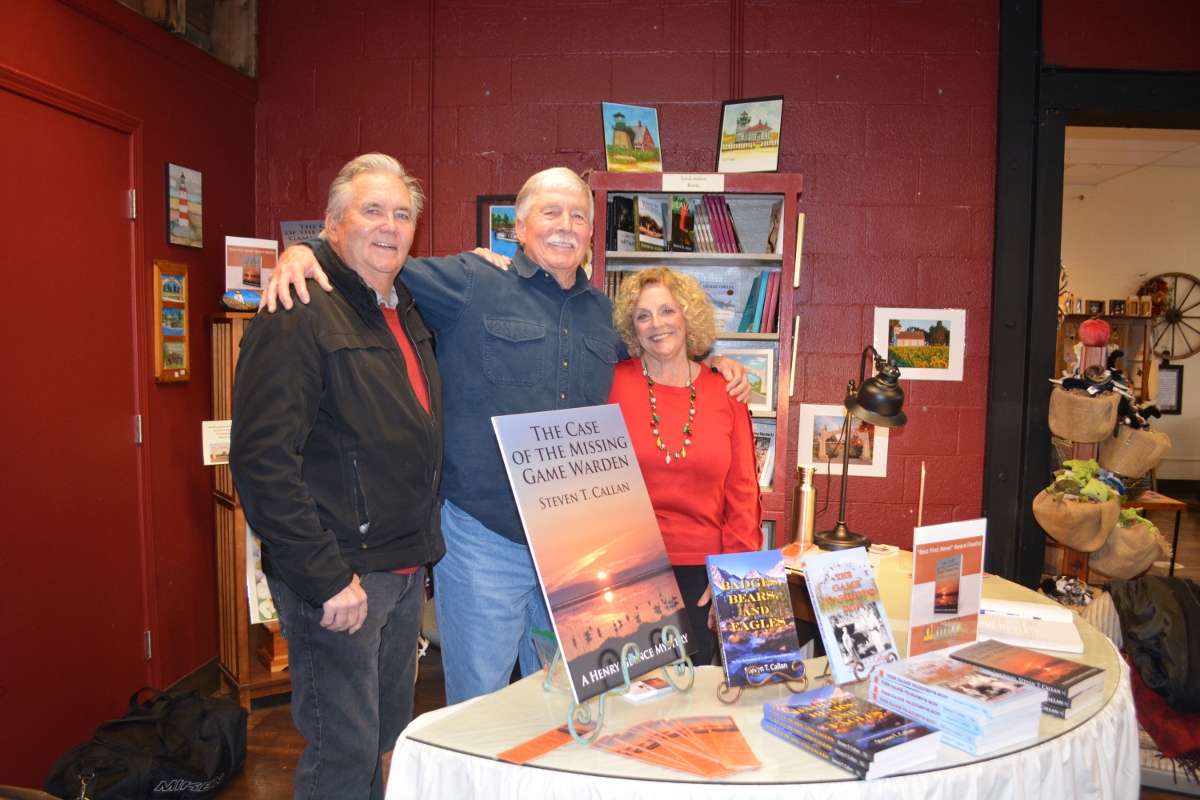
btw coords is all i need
(581, 713)
(792, 676)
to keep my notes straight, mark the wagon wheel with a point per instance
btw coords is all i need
(1176, 331)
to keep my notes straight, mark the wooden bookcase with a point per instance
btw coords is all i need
(242, 670)
(749, 194)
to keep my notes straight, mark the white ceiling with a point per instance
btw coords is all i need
(1095, 155)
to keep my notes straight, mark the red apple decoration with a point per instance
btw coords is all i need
(1094, 332)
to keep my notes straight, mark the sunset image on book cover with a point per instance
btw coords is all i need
(595, 542)
(754, 617)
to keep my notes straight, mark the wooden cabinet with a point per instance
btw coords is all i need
(242, 671)
(750, 197)
(1131, 335)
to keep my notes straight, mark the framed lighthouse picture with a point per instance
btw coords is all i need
(185, 208)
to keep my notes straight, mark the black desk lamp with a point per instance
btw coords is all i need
(877, 400)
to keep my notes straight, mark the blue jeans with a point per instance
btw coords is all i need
(352, 694)
(488, 600)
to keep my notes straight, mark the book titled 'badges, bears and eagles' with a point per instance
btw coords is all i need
(849, 611)
(595, 542)
(754, 615)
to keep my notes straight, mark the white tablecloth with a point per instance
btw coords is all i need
(449, 753)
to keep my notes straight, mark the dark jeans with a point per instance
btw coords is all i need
(352, 694)
(693, 580)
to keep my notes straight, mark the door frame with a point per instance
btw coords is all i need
(39, 91)
(1036, 103)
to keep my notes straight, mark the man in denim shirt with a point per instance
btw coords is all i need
(533, 338)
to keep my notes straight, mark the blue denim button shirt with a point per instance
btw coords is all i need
(508, 342)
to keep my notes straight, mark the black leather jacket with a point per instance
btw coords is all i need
(336, 462)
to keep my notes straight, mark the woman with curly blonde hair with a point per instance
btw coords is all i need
(693, 441)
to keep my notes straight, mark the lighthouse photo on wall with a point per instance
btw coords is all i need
(185, 211)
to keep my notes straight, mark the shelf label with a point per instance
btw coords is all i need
(695, 182)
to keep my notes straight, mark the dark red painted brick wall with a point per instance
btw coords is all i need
(890, 114)
(1114, 34)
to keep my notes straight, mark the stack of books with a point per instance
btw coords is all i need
(1071, 687)
(855, 734)
(975, 710)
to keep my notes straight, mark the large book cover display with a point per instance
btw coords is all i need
(754, 616)
(595, 542)
(849, 611)
(947, 582)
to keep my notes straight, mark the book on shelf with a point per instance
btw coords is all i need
(880, 740)
(756, 630)
(1046, 626)
(764, 450)
(648, 218)
(683, 224)
(774, 243)
(703, 232)
(751, 301)
(760, 302)
(624, 225)
(964, 686)
(849, 612)
(1060, 677)
(733, 229)
(771, 309)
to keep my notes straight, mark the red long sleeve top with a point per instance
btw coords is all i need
(708, 502)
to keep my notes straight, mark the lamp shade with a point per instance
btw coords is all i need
(880, 400)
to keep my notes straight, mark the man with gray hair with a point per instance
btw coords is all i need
(536, 337)
(336, 453)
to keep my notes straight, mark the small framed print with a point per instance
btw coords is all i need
(1170, 388)
(927, 344)
(631, 139)
(823, 441)
(170, 322)
(185, 206)
(1116, 308)
(1078, 305)
(496, 223)
(749, 137)
(760, 371)
(1094, 308)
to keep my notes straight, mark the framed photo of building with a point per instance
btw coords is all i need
(927, 344)
(170, 319)
(185, 206)
(496, 223)
(631, 140)
(748, 140)
(821, 441)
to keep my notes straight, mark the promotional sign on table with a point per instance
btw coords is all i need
(947, 578)
(594, 540)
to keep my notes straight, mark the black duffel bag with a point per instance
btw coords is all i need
(173, 746)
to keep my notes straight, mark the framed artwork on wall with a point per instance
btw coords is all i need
(927, 344)
(1170, 388)
(496, 223)
(821, 439)
(760, 371)
(185, 206)
(631, 140)
(748, 140)
(170, 320)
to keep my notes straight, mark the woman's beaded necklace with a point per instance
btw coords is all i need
(654, 420)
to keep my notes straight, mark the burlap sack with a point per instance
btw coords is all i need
(1133, 452)
(1079, 525)
(1080, 417)
(1128, 552)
